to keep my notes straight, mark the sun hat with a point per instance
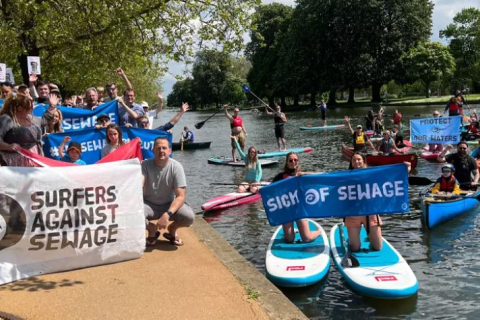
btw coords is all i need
(144, 104)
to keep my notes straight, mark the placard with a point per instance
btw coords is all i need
(33, 64)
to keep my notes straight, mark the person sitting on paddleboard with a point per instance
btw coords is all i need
(292, 169)
(238, 130)
(387, 145)
(397, 137)
(253, 169)
(187, 135)
(360, 139)
(74, 151)
(447, 184)
(465, 165)
(280, 119)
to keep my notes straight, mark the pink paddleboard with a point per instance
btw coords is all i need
(224, 199)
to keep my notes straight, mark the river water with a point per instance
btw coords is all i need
(445, 260)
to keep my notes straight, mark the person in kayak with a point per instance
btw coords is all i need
(187, 135)
(280, 119)
(360, 139)
(292, 169)
(387, 145)
(253, 169)
(447, 184)
(238, 130)
(465, 165)
(372, 224)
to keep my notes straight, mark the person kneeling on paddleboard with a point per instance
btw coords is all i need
(253, 169)
(292, 169)
(360, 139)
(447, 184)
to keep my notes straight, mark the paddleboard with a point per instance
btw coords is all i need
(239, 163)
(297, 264)
(230, 200)
(340, 126)
(283, 153)
(381, 274)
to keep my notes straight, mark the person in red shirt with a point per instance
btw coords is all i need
(238, 130)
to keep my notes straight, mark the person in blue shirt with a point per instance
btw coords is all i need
(74, 152)
(253, 169)
(187, 135)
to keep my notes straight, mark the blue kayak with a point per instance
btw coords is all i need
(297, 264)
(437, 209)
(340, 126)
(283, 153)
(380, 274)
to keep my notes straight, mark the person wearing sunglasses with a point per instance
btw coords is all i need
(447, 184)
(292, 169)
(464, 164)
(112, 89)
(103, 121)
(144, 123)
(253, 168)
(387, 145)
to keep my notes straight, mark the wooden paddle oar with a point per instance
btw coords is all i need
(348, 260)
(200, 124)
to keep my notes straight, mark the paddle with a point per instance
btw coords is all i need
(348, 260)
(200, 124)
(246, 89)
(263, 183)
(419, 181)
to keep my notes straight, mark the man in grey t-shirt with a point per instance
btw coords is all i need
(164, 195)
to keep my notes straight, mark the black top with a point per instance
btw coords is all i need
(463, 167)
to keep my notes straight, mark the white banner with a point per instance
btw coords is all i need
(9, 76)
(64, 218)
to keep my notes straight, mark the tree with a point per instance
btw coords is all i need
(428, 62)
(183, 91)
(81, 42)
(464, 37)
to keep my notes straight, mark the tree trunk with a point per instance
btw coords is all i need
(295, 101)
(271, 101)
(331, 98)
(283, 102)
(376, 92)
(313, 101)
(427, 89)
(351, 95)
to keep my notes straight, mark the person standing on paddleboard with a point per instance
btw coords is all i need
(238, 130)
(360, 139)
(323, 109)
(253, 169)
(280, 119)
(465, 165)
(292, 169)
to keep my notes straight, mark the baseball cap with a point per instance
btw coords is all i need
(103, 116)
(144, 104)
(74, 145)
(359, 126)
(54, 88)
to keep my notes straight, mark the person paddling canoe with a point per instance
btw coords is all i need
(360, 139)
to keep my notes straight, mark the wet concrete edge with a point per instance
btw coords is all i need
(272, 300)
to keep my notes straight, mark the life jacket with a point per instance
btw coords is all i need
(397, 118)
(359, 139)
(386, 145)
(237, 122)
(447, 185)
(454, 108)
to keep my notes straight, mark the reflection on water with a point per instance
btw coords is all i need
(445, 260)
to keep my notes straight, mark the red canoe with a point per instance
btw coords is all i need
(379, 160)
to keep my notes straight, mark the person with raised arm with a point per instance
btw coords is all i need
(112, 89)
(360, 139)
(238, 130)
(465, 165)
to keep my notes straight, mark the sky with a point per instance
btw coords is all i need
(443, 13)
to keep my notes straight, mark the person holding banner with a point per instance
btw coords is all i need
(164, 193)
(144, 122)
(253, 169)
(465, 165)
(292, 169)
(74, 152)
(91, 96)
(19, 129)
(54, 121)
(103, 121)
(114, 139)
(360, 139)
(432, 147)
(129, 111)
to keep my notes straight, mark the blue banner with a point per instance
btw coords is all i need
(441, 130)
(75, 119)
(360, 192)
(1, 104)
(93, 141)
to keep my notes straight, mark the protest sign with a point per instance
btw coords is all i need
(3, 72)
(33, 65)
(375, 190)
(64, 218)
(441, 130)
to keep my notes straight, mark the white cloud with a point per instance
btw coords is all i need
(443, 13)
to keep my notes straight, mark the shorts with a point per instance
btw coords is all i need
(184, 217)
(240, 139)
(280, 131)
(323, 114)
(356, 222)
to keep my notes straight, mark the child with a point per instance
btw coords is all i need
(447, 184)
(74, 152)
(114, 139)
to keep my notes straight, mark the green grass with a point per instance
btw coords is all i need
(251, 293)
(441, 99)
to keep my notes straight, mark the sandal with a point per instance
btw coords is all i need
(152, 241)
(176, 241)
